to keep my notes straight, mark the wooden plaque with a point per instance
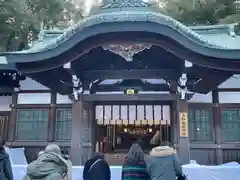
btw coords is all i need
(130, 91)
(183, 124)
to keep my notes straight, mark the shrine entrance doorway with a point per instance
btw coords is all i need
(121, 124)
(118, 120)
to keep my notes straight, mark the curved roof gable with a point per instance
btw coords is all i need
(105, 17)
(124, 12)
(215, 34)
(133, 10)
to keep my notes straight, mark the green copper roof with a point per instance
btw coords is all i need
(3, 60)
(45, 37)
(221, 35)
(7, 67)
(216, 37)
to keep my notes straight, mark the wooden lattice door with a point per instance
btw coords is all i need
(4, 117)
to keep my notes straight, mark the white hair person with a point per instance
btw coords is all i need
(40, 153)
(53, 148)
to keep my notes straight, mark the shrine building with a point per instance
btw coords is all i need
(125, 74)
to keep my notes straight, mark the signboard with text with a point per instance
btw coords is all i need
(183, 124)
(130, 91)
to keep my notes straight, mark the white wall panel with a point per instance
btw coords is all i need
(34, 98)
(201, 98)
(63, 99)
(115, 92)
(167, 114)
(5, 101)
(30, 84)
(233, 82)
(229, 97)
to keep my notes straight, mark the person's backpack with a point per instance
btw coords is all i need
(92, 167)
(93, 164)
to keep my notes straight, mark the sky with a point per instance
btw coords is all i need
(88, 4)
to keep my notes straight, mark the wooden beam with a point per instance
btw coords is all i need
(33, 106)
(209, 83)
(173, 86)
(34, 91)
(132, 74)
(228, 89)
(68, 68)
(210, 78)
(142, 87)
(125, 97)
(36, 144)
(6, 89)
(49, 80)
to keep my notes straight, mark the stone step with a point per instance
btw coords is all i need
(116, 159)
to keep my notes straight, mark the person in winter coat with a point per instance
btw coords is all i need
(40, 153)
(96, 168)
(134, 167)
(49, 166)
(5, 164)
(163, 164)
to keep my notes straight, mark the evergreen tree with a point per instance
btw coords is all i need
(204, 12)
(193, 12)
(20, 20)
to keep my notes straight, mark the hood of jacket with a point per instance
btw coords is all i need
(46, 164)
(162, 151)
(3, 154)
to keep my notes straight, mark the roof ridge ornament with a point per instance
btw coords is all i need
(124, 4)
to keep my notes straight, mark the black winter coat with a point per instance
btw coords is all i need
(99, 171)
(5, 166)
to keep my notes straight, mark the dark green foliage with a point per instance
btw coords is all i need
(21, 20)
(204, 12)
(192, 12)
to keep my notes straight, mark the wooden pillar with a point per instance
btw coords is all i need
(13, 118)
(77, 115)
(217, 126)
(6, 127)
(81, 142)
(88, 141)
(93, 129)
(182, 117)
(52, 117)
(174, 125)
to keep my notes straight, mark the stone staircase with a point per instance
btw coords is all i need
(116, 159)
